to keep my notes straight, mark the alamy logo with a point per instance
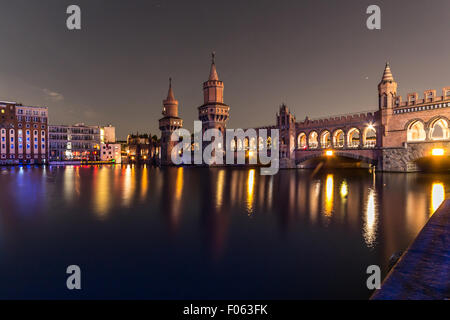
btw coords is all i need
(374, 20)
(74, 280)
(73, 22)
(238, 145)
(374, 280)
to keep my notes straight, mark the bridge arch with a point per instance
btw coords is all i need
(353, 138)
(438, 128)
(233, 145)
(355, 155)
(313, 140)
(302, 142)
(369, 137)
(415, 130)
(339, 138)
(252, 144)
(239, 144)
(260, 143)
(325, 139)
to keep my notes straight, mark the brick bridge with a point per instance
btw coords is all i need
(393, 138)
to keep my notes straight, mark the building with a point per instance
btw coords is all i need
(108, 134)
(140, 148)
(168, 124)
(23, 134)
(111, 152)
(74, 143)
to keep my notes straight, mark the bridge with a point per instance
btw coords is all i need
(399, 136)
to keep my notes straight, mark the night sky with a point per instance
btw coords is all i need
(316, 56)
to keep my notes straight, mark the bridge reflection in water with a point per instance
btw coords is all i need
(232, 216)
(290, 195)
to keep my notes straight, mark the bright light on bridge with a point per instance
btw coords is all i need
(329, 153)
(437, 152)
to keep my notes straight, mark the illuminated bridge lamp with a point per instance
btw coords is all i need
(437, 152)
(329, 153)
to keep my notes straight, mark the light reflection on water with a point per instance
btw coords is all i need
(229, 217)
(437, 196)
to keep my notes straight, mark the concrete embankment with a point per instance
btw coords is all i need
(423, 272)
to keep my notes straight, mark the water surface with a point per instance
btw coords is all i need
(219, 233)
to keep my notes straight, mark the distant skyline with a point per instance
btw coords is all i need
(318, 57)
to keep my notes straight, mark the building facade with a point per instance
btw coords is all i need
(111, 152)
(140, 148)
(74, 143)
(23, 134)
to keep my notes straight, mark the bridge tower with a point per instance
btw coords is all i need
(168, 124)
(286, 124)
(387, 93)
(214, 113)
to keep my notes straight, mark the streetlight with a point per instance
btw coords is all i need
(437, 152)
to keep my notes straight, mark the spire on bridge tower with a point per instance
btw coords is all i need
(213, 73)
(170, 95)
(387, 74)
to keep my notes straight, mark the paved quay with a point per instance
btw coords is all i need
(423, 272)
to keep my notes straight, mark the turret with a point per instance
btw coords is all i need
(387, 89)
(214, 112)
(168, 124)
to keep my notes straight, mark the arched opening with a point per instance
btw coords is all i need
(260, 143)
(439, 130)
(353, 138)
(301, 141)
(233, 145)
(340, 159)
(325, 140)
(339, 139)
(416, 132)
(312, 141)
(246, 144)
(370, 137)
(239, 144)
(252, 143)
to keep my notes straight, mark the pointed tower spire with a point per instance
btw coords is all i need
(213, 73)
(170, 103)
(387, 74)
(170, 96)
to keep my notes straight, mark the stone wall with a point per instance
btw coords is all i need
(405, 159)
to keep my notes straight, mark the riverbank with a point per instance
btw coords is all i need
(423, 272)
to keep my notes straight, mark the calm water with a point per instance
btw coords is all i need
(140, 232)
